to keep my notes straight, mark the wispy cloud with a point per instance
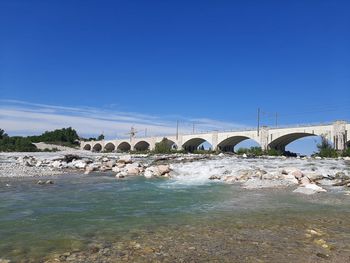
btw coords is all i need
(25, 118)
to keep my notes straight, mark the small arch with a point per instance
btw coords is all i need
(192, 144)
(109, 147)
(124, 147)
(228, 144)
(142, 146)
(87, 147)
(281, 142)
(97, 147)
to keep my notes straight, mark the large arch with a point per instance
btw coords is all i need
(124, 147)
(97, 147)
(109, 147)
(192, 144)
(87, 147)
(281, 142)
(142, 146)
(170, 143)
(228, 144)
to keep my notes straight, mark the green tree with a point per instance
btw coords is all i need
(164, 146)
(325, 148)
(100, 137)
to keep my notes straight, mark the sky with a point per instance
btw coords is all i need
(104, 66)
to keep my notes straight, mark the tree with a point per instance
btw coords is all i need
(164, 146)
(325, 148)
(2, 134)
(100, 137)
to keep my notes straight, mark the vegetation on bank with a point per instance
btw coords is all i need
(64, 137)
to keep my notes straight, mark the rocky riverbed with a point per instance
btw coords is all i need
(307, 175)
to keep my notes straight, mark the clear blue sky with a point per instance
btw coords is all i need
(205, 59)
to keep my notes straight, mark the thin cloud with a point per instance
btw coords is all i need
(25, 118)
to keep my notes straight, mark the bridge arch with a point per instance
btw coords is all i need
(142, 146)
(109, 147)
(281, 142)
(124, 147)
(228, 144)
(192, 145)
(97, 147)
(87, 147)
(170, 143)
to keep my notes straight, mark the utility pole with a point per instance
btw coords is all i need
(177, 129)
(258, 129)
(276, 118)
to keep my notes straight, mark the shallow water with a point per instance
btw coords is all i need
(143, 220)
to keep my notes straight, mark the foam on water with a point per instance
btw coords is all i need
(198, 172)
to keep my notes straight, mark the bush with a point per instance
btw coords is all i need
(256, 151)
(346, 152)
(164, 146)
(325, 149)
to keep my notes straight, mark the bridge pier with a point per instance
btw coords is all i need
(340, 135)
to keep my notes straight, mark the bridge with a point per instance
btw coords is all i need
(338, 133)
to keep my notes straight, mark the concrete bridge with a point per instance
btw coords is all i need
(338, 133)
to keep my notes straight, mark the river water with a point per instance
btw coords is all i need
(96, 218)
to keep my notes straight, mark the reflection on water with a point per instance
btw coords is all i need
(89, 218)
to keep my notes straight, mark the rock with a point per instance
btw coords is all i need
(159, 170)
(40, 182)
(318, 158)
(89, 169)
(244, 155)
(56, 164)
(105, 159)
(214, 177)
(132, 170)
(148, 173)
(163, 169)
(304, 180)
(297, 174)
(314, 176)
(116, 169)
(125, 159)
(341, 176)
(342, 183)
(121, 165)
(104, 168)
(110, 163)
(290, 178)
(121, 174)
(309, 189)
(70, 157)
(49, 182)
(4, 260)
(80, 164)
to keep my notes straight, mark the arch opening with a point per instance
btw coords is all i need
(87, 147)
(124, 147)
(97, 147)
(109, 147)
(141, 146)
(196, 144)
(280, 143)
(170, 144)
(229, 144)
